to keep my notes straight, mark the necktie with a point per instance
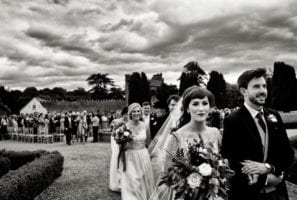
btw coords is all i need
(261, 121)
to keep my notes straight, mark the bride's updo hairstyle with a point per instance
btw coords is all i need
(194, 92)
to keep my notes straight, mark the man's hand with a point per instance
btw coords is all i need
(253, 167)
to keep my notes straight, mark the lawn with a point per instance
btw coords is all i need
(85, 175)
(86, 171)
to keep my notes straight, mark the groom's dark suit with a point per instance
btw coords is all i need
(241, 141)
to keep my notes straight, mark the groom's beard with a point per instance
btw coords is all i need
(257, 102)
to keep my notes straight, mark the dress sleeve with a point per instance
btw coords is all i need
(171, 147)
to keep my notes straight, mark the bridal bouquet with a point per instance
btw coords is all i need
(122, 136)
(199, 173)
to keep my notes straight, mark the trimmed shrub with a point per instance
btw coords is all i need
(18, 159)
(292, 176)
(4, 166)
(31, 179)
(293, 141)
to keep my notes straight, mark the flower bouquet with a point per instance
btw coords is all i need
(122, 136)
(198, 173)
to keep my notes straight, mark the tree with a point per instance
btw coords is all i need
(192, 75)
(163, 92)
(138, 87)
(217, 85)
(116, 93)
(233, 96)
(100, 83)
(284, 85)
(30, 92)
(59, 92)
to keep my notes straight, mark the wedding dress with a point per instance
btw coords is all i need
(160, 141)
(211, 137)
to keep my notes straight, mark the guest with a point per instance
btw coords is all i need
(68, 128)
(114, 173)
(137, 181)
(95, 124)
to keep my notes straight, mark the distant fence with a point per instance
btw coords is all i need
(88, 105)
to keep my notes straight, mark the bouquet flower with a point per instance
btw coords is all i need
(122, 136)
(199, 173)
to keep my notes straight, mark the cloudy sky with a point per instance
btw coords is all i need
(59, 43)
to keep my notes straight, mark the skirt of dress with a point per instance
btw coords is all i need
(114, 172)
(137, 182)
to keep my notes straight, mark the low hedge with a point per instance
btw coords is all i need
(4, 166)
(31, 179)
(18, 159)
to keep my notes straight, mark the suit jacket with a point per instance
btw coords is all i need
(156, 123)
(67, 122)
(241, 141)
(153, 126)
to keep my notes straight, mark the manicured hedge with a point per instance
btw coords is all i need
(292, 176)
(31, 179)
(18, 159)
(4, 166)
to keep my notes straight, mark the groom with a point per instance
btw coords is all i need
(256, 144)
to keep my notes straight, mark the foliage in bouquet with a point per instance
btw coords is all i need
(122, 134)
(198, 173)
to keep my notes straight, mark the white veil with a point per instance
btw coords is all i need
(160, 142)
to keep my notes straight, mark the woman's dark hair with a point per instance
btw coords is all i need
(189, 94)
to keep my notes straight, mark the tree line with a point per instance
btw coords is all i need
(102, 87)
(281, 85)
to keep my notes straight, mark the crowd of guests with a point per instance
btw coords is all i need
(76, 126)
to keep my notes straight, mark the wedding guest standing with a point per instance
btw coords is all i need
(68, 128)
(137, 181)
(95, 124)
(256, 143)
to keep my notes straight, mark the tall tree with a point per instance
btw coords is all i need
(138, 87)
(100, 83)
(163, 92)
(233, 96)
(217, 85)
(192, 74)
(284, 89)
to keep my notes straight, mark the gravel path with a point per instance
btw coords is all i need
(86, 171)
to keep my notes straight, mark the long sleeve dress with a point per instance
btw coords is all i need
(182, 140)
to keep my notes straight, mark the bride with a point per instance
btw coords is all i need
(196, 105)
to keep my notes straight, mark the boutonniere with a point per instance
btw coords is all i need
(272, 118)
(152, 118)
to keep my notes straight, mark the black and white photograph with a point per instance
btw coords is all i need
(148, 100)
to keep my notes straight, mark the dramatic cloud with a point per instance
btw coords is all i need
(49, 43)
